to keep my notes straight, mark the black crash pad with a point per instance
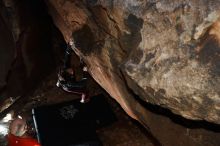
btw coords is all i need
(72, 123)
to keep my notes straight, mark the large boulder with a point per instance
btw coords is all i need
(146, 54)
(165, 53)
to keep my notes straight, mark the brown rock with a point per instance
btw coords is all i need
(166, 52)
(28, 55)
(170, 50)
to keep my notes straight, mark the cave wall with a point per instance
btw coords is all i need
(167, 51)
(161, 52)
(26, 46)
(6, 52)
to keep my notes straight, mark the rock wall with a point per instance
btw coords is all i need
(26, 54)
(165, 53)
(146, 54)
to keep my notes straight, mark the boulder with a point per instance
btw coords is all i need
(167, 52)
(152, 55)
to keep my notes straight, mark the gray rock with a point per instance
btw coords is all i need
(166, 52)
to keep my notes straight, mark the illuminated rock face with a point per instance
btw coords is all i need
(161, 52)
(166, 52)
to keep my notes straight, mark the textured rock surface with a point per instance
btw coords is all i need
(176, 65)
(166, 52)
(26, 54)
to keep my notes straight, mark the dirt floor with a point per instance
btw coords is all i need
(123, 132)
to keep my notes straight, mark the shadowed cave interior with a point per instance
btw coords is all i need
(33, 40)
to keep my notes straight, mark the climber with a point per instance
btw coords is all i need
(66, 76)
